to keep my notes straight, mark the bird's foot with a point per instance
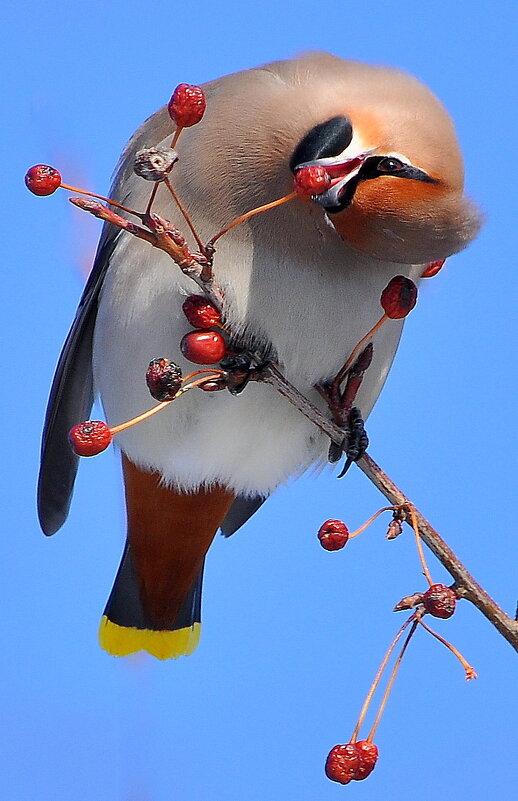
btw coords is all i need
(357, 440)
(240, 368)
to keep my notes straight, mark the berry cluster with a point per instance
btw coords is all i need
(203, 346)
(351, 761)
(355, 760)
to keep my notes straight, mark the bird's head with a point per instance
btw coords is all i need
(388, 143)
(393, 156)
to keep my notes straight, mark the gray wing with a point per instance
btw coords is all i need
(241, 510)
(71, 398)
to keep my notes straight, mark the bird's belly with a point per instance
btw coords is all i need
(250, 442)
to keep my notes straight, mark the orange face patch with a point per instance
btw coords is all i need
(384, 203)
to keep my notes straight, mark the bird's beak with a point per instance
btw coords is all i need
(342, 172)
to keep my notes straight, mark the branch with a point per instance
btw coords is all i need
(160, 233)
(465, 585)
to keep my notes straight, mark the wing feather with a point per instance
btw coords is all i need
(71, 398)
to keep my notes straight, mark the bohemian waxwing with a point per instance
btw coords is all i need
(302, 282)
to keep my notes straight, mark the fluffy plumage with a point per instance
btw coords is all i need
(301, 280)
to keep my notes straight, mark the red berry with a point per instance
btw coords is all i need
(351, 762)
(333, 535)
(90, 437)
(200, 312)
(399, 297)
(440, 601)
(342, 763)
(42, 179)
(203, 347)
(312, 180)
(163, 379)
(187, 105)
(368, 756)
(432, 268)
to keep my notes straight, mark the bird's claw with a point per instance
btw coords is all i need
(357, 440)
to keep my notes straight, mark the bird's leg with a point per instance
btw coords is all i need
(346, 415)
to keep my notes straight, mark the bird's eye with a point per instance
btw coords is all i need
(390, 164)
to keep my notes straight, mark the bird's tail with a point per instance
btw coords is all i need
(126, 628)
(156, 599)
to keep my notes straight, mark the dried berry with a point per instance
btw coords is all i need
(440, 601)
(333, 535)
(432, 268)
(351, 762)
(395, 528)
(203, 347)
(342, 763)
(90, 437)
(154, 163)
(200, 311)
(399, 297)
(42, 179)
(187, 105)
(164, 379)
(368, 756)
(312, 180)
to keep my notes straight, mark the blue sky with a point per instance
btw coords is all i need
(292, 634)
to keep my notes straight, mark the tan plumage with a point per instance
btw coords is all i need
(303, 280)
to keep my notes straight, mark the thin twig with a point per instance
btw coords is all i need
(465, 585)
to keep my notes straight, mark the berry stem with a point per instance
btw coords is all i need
(176, 137)
(151, 199)
(363, 341)
(377, 679)
(470, 671)
(419, 544)
(141, 417)
(243, 217)
(101, 197)
(371, 520)
(184, 213)
(391, 680)
(213, 374)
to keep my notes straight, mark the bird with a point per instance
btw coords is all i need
(301, 282)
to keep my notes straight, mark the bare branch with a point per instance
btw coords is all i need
(160, 233)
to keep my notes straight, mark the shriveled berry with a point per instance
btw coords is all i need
(154, 163)
(42, 179)
(432, 268)
(395, 528)
(312, 180)
(368, 756)
(203, 347)
(187, 105)
(342, 763)
(163, 379)
(333, 535)
(90, 437)
(399, 297)
(440, 601)
(200, 311)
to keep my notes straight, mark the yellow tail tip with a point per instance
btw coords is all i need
(121, 641)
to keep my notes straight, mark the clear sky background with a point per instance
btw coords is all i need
(292, 634)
